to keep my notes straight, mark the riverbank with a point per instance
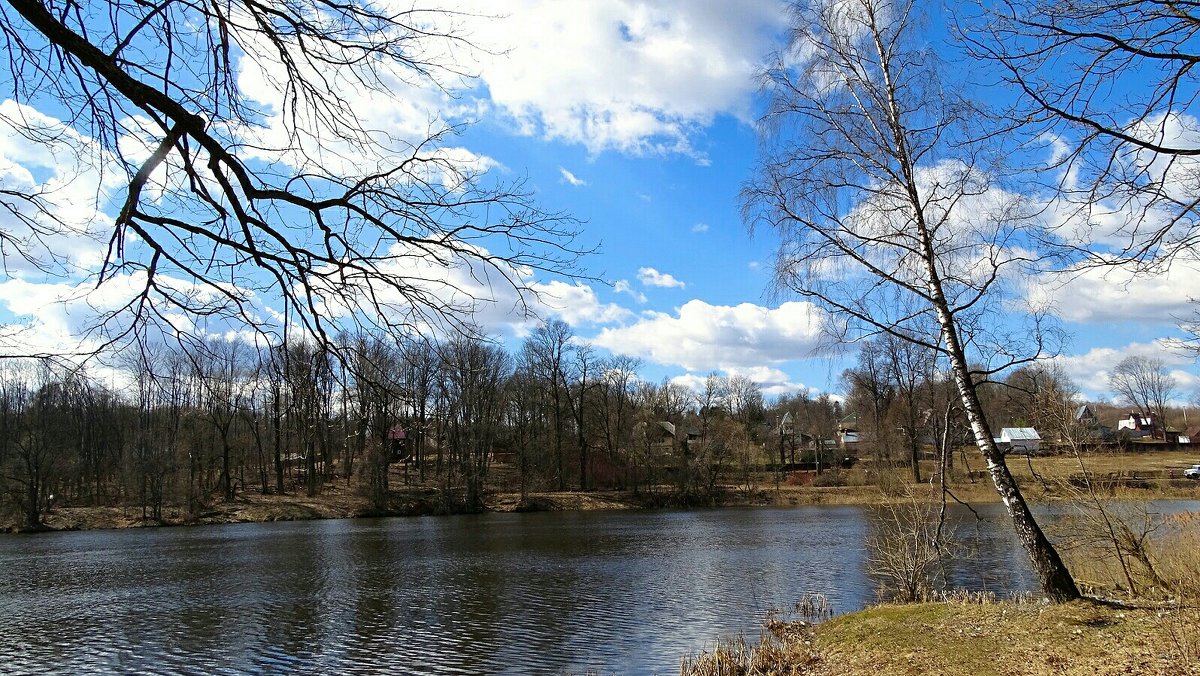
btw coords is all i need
(337, 501)
(1007, 638)
(1133, 476)
(341, 503)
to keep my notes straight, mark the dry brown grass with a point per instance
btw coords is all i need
(1171, 567)
(1001, 639)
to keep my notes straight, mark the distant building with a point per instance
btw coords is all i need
(1025, 440)
(1138, 426)
(398, 443)
(1088, 422)
(787, 427)
(848, 434)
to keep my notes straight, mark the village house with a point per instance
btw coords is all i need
(848, 434)
(1024, 440)
(1138, 426)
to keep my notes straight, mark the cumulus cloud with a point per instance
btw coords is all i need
(52, 184)
(652, 277)
(771, 381)
(577, 304)
(1091, 370)
(1119, 294)
(701, 337)
(499, 298)
(669, 67)
(1143, 208)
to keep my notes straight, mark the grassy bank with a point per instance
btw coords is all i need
(1005, 639)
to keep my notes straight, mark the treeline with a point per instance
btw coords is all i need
(190, 427)
(905, 404)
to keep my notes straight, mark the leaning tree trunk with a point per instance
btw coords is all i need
(1055, 580)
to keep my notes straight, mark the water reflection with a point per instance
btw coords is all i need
(501, 593)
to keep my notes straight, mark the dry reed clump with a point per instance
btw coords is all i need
(1182, 637)
(784, 645)
(1125, 549)
(1177, 551)
(783, 648)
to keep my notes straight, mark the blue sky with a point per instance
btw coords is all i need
(639, 119)
(668, 200)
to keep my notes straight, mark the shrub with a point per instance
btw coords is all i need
(830, 478)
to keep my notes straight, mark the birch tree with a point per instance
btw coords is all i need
(889, 216)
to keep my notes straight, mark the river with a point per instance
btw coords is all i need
(607, 592)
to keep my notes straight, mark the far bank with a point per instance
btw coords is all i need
(1128, 476)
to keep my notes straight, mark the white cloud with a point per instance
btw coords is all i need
(631, 76)
(577, 304)
(703, 337)
(772, 382)
(652, 277)
(623, 286)
(1118, 294)
(1145, 190)
(700, 227)
(571, 178)
(1090, 370)
(66, 236)
(500, 299)
(626, 75)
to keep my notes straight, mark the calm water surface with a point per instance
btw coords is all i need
(611, 592)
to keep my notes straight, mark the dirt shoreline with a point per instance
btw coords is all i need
(340, 502)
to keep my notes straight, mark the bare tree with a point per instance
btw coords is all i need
(869, 391)
(219, 369)
(742, 399)
(889, 216)
(909, 364)
(474, 375)
(1036, 395)
(582, 380)
(1145, 384)
(615, 405)
(545, 355)
(249, 174)
(1113, 85)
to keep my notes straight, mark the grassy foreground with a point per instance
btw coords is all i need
(1005, 639)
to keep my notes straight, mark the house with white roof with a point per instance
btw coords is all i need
(1025, 440)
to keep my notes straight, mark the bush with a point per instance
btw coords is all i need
(830, 478)
(907, 547)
